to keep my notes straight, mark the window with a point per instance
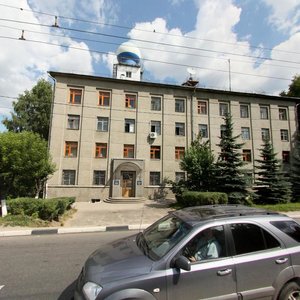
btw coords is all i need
(247, 155)
(71, 149)
(264, 112)
(179, 152)
(179, 105)
(75, 96)
(282, 113)
(68, 177)
(286, 157)
(265, 134)
(128, 151)
(155, 103)
(291, 228)
(245, 132)
(223, 109)
(99, 178)
(101, 150)
(130, 125)
(128, 74)
(130, 101)
(154, 178)
(206, 245)
(222, 130)
(203, 130)
(104, 98)
(155, 152)
(102, 124)
(73, 122)
(155, 127)
(180, 129)
(251, 238)
(284, 135)
(179, 176)
(202, 107)
(244, 111)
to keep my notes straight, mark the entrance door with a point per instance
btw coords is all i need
(128, 184)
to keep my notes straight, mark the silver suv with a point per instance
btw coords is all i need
(207, 252)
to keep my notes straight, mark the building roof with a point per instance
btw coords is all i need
(55, 74)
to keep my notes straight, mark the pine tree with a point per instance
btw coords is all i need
(295, 169)
(230, 178)
(271, 186)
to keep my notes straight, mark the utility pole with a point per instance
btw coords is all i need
(229, 74)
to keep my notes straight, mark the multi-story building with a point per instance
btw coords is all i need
(120, 138)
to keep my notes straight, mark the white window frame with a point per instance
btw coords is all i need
(102, 124)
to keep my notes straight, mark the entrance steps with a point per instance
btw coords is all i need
(125, 200)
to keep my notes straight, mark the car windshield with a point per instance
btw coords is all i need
(162, 236)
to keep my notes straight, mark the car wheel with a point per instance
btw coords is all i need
(290, 291)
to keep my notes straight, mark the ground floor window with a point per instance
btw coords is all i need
(99, 177)
(68, 177)
(179, 176)
(154, 178)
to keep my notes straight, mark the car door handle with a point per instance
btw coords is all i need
(281, 260)
(224, 272)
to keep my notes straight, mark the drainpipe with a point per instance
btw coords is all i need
(45, 188)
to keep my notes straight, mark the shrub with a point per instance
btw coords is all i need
(45, 209)
(191, 198)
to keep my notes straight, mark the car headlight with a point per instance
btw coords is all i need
(91, 290)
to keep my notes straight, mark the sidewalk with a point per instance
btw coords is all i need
(101, 216)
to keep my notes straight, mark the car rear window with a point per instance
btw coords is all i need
(291, 228)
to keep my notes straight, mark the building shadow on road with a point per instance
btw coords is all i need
(68, 292)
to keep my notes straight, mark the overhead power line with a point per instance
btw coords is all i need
(154, 31)
(146, 48)
(146, 59)
(146, 41)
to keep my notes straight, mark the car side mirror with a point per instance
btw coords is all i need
(183, 263)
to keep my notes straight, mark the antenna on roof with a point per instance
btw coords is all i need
(191, 82)
(192, 72)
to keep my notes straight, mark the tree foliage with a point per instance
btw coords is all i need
(198, 163)
(295, 169)
(271, 186)
(25, 164)
(32, 110)
(294, 88)
(230, 178)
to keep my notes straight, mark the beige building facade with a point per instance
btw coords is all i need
(119, 139)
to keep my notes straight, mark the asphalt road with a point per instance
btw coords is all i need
(46, 267)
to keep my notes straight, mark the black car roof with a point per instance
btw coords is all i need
(198, 214)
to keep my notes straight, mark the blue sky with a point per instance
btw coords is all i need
(260, 38)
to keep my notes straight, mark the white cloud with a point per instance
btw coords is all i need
(285, 14)
(24, 62)
(100, 11)
(216, 21)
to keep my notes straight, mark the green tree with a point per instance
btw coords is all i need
(295, 169)
(32, 110)
(25, 164)
(230, 178)
(272, 186)
(294, 88)
(198, 162)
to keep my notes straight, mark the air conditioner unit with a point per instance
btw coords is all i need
(153, 135)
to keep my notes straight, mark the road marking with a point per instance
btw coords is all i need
(2, 286)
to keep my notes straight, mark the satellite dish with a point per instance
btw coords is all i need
(191, 71)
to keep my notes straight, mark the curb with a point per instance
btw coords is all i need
(44, 231)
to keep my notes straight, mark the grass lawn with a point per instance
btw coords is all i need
(27, 221)
(282, 207)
